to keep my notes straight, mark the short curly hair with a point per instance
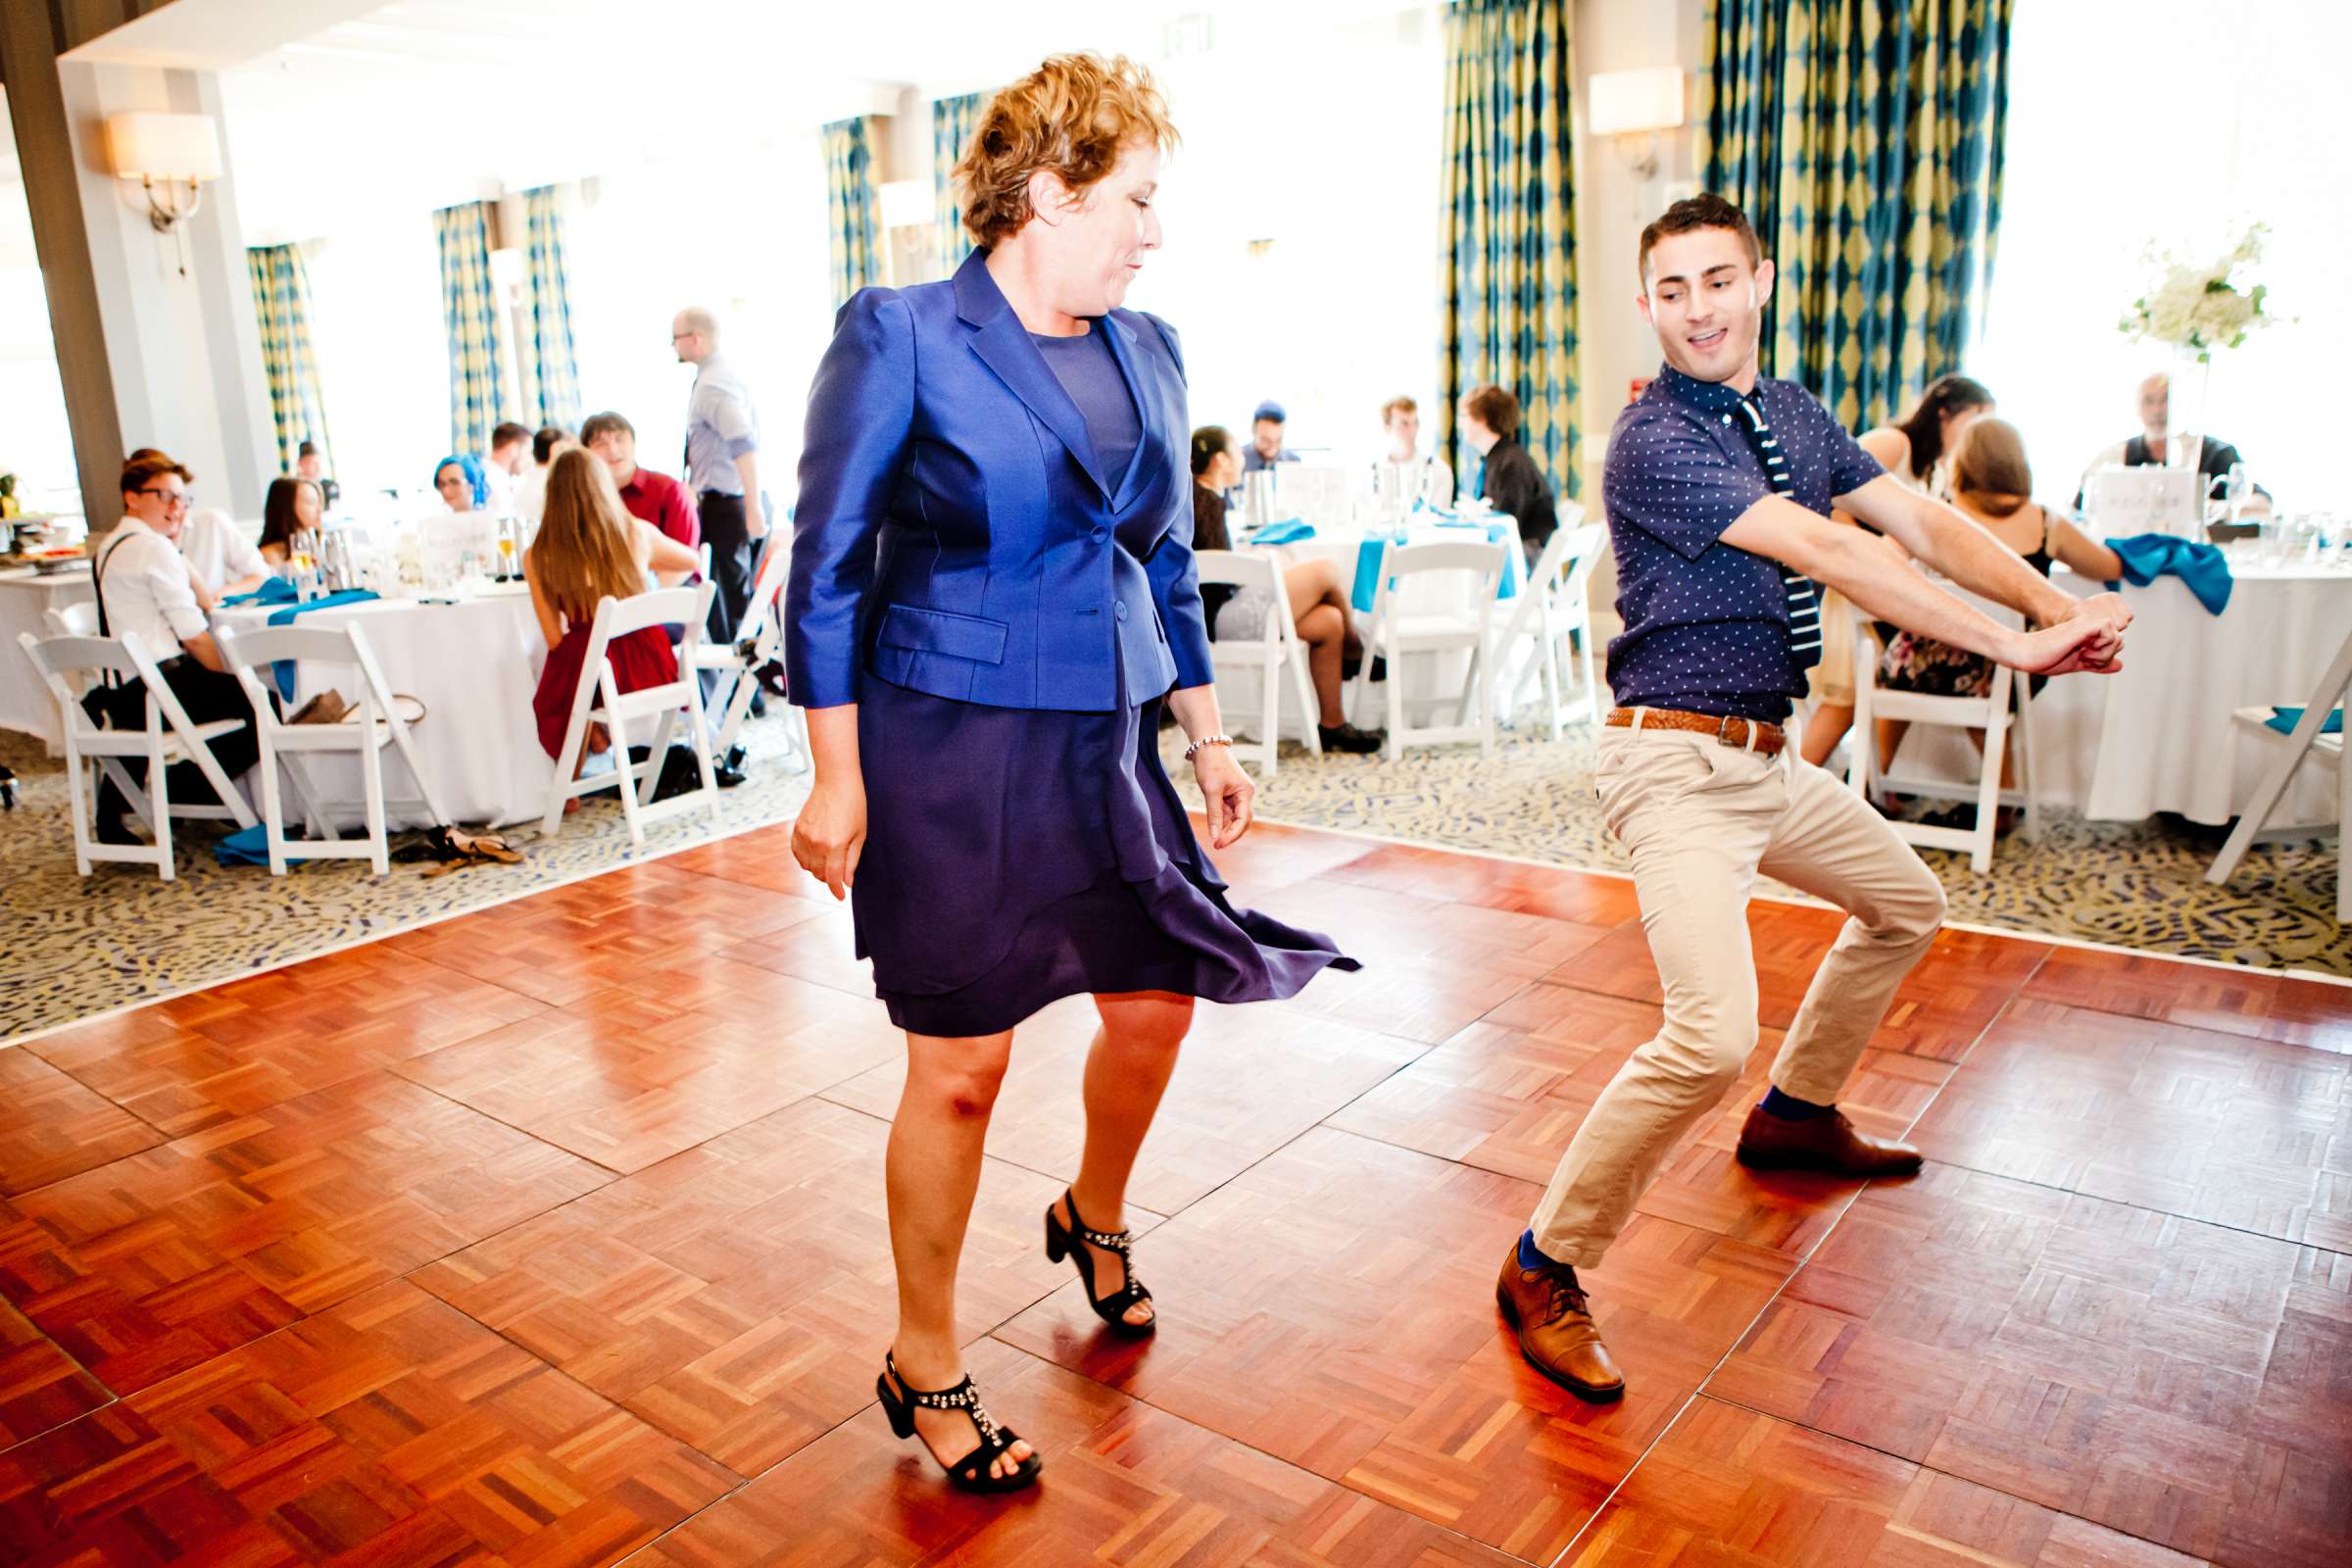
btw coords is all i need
(1071, 116)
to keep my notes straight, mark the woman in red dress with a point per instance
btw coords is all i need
(590, 549)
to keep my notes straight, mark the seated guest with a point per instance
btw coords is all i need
(291, 507)
(530, 491)
(463, 485)
(146, 592)
(1508, 478)
(310, 464)
(504, 466)
(223, 558)
(1318, 599)
(590, 549)
(1992, 485)
(2155, 442)
(1425, 476)
(651, 497)
(1915, 450)
(1265, 439)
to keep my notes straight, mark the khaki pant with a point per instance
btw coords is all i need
(1701, 819)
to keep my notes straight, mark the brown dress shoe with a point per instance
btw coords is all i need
(1556, 1328)
(1826, 1142)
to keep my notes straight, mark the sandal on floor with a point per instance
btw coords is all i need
(1113, 1308)
(972, 1472)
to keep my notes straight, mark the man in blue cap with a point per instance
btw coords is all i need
(1265, 439)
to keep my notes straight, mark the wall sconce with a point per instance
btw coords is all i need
(1629, 103)
(170, 151)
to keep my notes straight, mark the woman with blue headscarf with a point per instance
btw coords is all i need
(463, 483)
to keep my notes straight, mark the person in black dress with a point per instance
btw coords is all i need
(1509, 476)
(993, 594)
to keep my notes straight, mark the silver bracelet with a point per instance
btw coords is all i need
(1207, 740)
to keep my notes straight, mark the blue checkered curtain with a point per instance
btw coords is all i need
(953, 122)
(469, 309)
(855, 227)
(282, 305)
(1864, 138)
(554, 369)
(1507, 290)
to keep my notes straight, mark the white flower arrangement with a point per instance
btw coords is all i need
(2199, 309)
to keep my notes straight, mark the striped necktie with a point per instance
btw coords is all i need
(1804, 600)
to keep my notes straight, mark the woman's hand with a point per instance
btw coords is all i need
(1228, 792)
(829, 834)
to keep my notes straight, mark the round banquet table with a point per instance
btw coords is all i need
(25, 594)
(2158, 735)
(473, 664)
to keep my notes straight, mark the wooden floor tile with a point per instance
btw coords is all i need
(1334, 1307)
(741, 1294)
(1730, 1488)
(1122, 1483)
(626, 1078)
(51, 1127)
(1581, 898)
(1508, 1093)
(40, 1386)
(159, 1261)
(391, 1430)
(196, 1061)
(760, 859)
(2285, 1009)
(2193, 1122)
(1943, 1004)
(561, 944)
(1274, 855)
(2104, 1361)
(1250, 1080)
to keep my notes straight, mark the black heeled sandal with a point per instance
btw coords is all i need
(1061, 1240)
(972, 1472)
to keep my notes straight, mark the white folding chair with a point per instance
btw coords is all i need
(365, 731)
(168, 737)
(2309, 739)
(756, 641)
(1396, 634)
(2010, 702)
(1276, 650)
(601, 700)
(1557, 604)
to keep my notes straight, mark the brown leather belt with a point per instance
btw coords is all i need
(1743, 734)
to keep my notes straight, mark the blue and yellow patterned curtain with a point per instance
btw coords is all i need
(469, 309)
(1507, 305)
(953, 122)
(854, 227)
(553, 368)
(1864, 138)
(281, 304)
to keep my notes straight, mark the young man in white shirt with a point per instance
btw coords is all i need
(1418, 477)
(146, 591)
(217, 552)
(503, 466)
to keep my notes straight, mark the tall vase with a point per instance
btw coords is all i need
(2191, 380)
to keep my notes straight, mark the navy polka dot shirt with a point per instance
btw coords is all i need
(1707, 625)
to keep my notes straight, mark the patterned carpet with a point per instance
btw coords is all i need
(2130, 885)
(77, 946)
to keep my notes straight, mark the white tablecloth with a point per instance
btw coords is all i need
(2158, 736)
(25, 701)
(474, 665)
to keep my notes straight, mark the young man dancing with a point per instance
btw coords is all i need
(1719, 485)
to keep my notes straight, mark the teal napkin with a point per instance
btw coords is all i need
(1286, 531)
(2149, 556)
(2284, 720)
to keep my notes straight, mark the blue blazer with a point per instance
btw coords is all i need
(956, 533)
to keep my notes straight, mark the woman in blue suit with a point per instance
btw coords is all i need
(991, 596)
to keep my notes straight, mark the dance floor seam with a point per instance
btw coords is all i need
(537, 1235)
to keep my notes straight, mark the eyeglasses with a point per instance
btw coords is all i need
(178, 498)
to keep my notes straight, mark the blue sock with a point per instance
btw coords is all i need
(1791, 1109)
(1530, 1256)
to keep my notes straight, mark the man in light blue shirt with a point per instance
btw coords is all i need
(723, 467)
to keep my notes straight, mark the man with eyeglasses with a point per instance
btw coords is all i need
(146, 591)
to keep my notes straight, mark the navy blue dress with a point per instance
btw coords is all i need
(1017, 856)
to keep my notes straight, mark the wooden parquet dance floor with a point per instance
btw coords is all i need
(552, 1235)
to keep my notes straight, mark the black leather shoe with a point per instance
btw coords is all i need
(114, 830)
(1349, 739)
